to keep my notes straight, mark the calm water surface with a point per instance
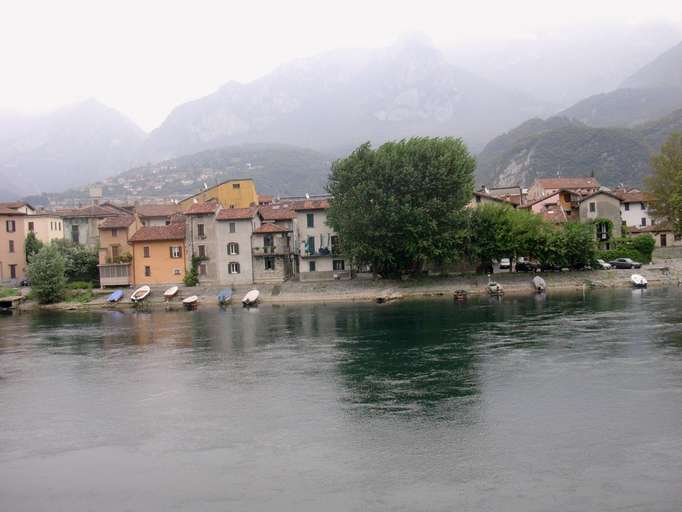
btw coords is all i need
(567, 403)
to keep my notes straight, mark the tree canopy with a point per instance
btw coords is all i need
(666, 182)
(46, 272)
(398, 206)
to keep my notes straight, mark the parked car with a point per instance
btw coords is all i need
(25, 283)
(524, 265)
(548, 267)
(602, 265)
(505, 263)
(625, 263)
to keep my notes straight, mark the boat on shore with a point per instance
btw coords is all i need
(638, 281)
(170, 292)
(225, 297)
(251, 298)
(115, 296)
(140, 294)
(539, 284)
(191, 302)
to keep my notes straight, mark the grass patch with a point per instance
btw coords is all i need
(79, 285)
(81, 297)
(9, 292)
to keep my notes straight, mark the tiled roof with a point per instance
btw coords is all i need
(271, 228)
(203, 208)
(277, 212)
(9, 211)
(311, 204)
(264, 198)
(89, 211)
(157, 210)
(555, 215)
(159, 233)
(237, 213)
(12, 205)
(634, 197)
(570, 183)
(605, 192)
(652, 228)
(122, 221)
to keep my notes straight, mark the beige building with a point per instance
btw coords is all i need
(602, 205)
(81, 225)
(663, 234)
(272, 253)
(201, 240)
(319, 252)
(234, 229)
(543, 187)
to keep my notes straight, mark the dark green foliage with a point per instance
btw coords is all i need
(46, 272)
(192, 277)
(32, 245)
(666, 183)
(399, 206)
(639, 248)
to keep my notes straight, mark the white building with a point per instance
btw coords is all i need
(634, 208)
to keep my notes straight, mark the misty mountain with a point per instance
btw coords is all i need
(71, 146)
(340, 99)
(567, 147)
(653, 91)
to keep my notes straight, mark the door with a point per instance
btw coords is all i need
(664, 240)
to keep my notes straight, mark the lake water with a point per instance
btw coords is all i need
(564, 403)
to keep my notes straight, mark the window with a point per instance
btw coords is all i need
(202, 269)
(12, 271)
(167, 222)
(202, 251)
(145, 251)
(593, 207)
(11, 246)
(51, 225)
(114, 232)
(643, 206)
(233, 268)
(114, 251)
(311, 266)
(267, 241)
(602, 231)
(339, 265)
(310, 246)
(678, 238)
(176, 252)
(31, 227)
(311, 220)
(236, 185)
(233, 248)
(60, 226)
(233, 227)
(269, 263)
(200, 231)
(643, 222)
(147, 271)
(177, 271)
(627, 207)
(75, 234)
(10, 226)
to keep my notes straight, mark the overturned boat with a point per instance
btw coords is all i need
(225, 297)
(638, 281)
(191, 302)
(140, 294)
(539, 284)
(495, 289)
(170, 292)
(251, 298)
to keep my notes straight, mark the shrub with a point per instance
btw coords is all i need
(639, 248)
(31, 245)
(79, 285)
(46, 272)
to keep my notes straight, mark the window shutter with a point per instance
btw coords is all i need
(180, 251)
(171, 251)
(236, 250)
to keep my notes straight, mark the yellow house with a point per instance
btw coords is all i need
(159, 254)
(230, 194)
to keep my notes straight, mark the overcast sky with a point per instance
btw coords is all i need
(145, 57)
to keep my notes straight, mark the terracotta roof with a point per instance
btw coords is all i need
(634, 197)
(237, 213)
(159, 233)
(203, 208)
(264, 198)
(122, 221)
(9, 211)
(311, 204)
(277, 212)
(488, 196)
(12, 205)
(157, 210)
(570, 183)
(271, 228)
(652, 228)
(89, 211)
(605, 192)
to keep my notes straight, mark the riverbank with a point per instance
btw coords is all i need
(363, 288)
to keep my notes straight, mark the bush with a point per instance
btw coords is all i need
(31, 246)
(81, 262)
(46, 272)
(192, 277)
(639, 248)
(79, 285)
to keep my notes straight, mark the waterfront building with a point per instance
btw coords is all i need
(604, 208)
(234, 228)
(81, 225)
(229, 194)
(115, 250)
(272, 253)
(159, 254)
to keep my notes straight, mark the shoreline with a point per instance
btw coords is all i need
(367, 290)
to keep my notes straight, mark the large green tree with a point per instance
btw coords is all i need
(46, 272)
(666, 182)
(398, 206)
(31, 245)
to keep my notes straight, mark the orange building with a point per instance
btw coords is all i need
(158, 254)
(229, 194)
(114, 236)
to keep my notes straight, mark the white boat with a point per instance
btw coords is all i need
(638, 281)
(251, 298)
(171, 292)
(141, 293)
(191, 302)
(539, 284)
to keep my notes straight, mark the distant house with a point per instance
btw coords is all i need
(634, 208)
(229, 194)
(543, 187)
(602, 207)
(159, 254)
(558, 207)
(320, 251)
(481, 198)
(663, 234)
(115, 250)
(157, 214)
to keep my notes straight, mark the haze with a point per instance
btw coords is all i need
(144, 59)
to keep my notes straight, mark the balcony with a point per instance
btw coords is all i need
(321, 252)
(114, 274)
(272, 250)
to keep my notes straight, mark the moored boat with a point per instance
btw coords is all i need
(115, 296)
(191, 302)
(251, 298)
(638, 281)
(539, 284)
(225, 296)
(495, 289)
(171, 292)
(141, 293)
